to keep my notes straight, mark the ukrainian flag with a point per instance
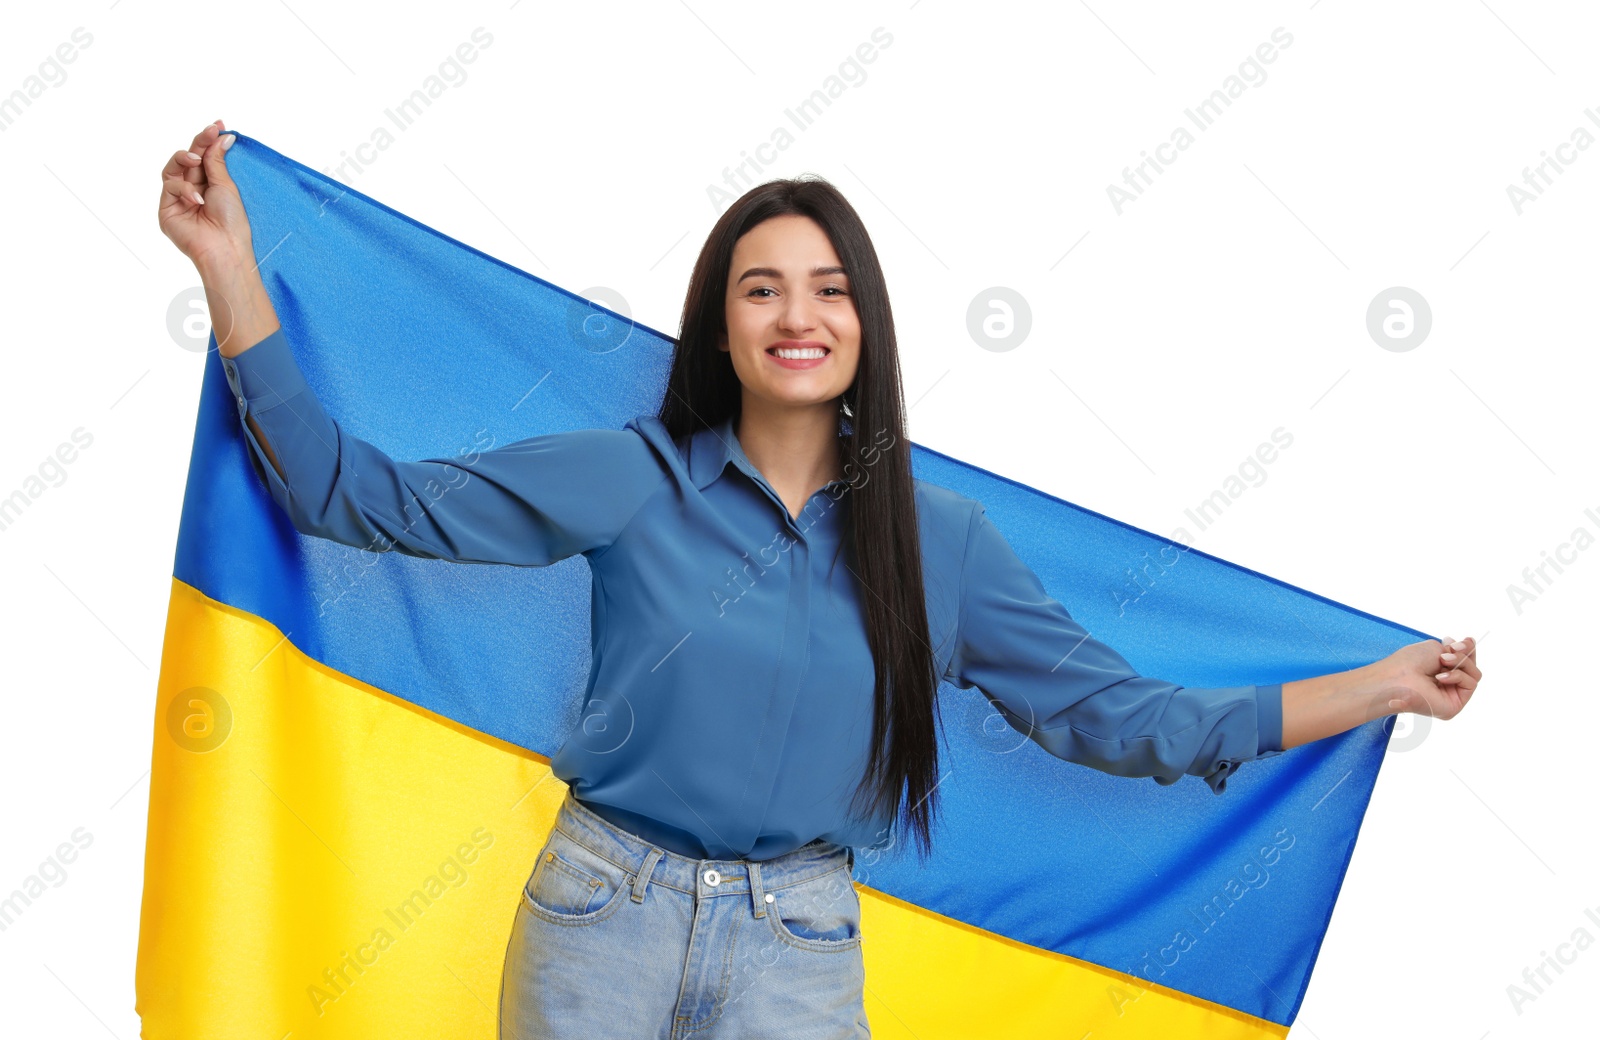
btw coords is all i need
(348, 791)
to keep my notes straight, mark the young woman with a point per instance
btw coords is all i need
(763, 564)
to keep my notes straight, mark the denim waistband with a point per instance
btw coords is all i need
(647, 863)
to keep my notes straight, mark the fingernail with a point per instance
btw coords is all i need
(1448, 658)
(199, 200)
(193, 156)
(227, 142)
(1458, 645)
(1442, 675)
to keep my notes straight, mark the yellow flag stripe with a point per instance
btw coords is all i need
(326, 859)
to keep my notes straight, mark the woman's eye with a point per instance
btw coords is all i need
(827, 288)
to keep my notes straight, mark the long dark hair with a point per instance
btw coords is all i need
(883, 548)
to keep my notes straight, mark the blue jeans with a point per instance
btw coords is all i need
(617, 937)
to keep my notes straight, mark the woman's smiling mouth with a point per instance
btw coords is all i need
(798, 354)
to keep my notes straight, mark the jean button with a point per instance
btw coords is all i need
(712, 878)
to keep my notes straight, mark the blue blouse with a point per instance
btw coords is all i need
(729, 701)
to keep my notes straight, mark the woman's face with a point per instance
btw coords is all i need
(786, 288)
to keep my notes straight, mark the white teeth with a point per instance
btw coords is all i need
(797, 354)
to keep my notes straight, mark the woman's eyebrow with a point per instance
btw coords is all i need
(773, 272)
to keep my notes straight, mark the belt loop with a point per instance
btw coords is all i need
(757, 897)
(645, 871)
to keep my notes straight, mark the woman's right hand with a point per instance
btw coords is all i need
(214, 233)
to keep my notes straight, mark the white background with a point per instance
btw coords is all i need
(1166, 343)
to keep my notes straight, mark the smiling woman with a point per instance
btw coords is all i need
(790, 269)
(794, 340)
(755, 748)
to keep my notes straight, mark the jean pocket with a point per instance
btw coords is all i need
(822, 913)
(571, 884)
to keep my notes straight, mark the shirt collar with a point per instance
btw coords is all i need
(712, 448)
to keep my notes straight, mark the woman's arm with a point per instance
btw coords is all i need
(1080, 699)
(1083, 702)
(202, 213)
(242, 315)
(1428, 678)
(531, 502)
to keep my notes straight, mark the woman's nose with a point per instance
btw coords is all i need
(797, 317)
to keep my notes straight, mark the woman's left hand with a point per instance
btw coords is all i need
(1428, 678)
(1431, 678)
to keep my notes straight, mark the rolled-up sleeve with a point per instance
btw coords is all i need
(1078, 698)
(531, 502)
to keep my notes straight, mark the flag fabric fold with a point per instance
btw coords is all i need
(347, 791)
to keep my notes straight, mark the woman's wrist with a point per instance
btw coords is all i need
(241, 312)
(1428, 677)
(227, 264)
(1324, 705)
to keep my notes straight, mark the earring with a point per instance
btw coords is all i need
(845, 406)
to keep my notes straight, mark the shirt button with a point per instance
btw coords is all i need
(713, 878)
(241, 401)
